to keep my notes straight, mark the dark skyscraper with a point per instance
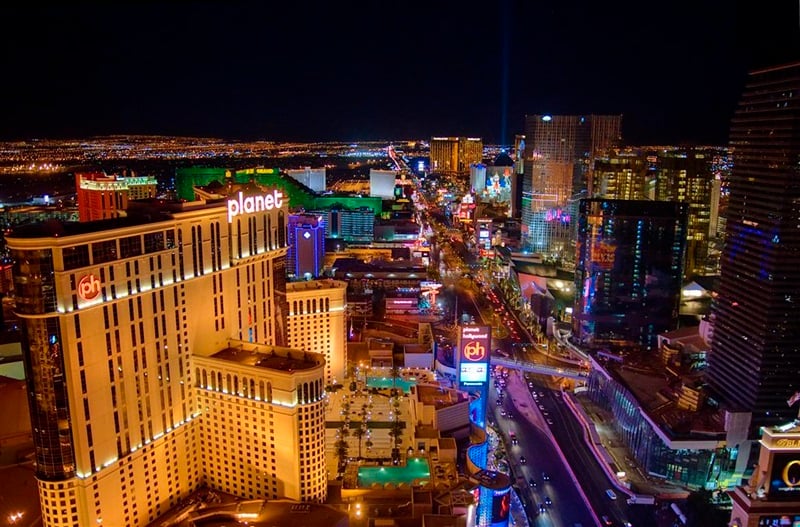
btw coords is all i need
(628, 271)
(754, 365)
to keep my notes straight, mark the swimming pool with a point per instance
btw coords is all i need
(386, 382)
(416, 469)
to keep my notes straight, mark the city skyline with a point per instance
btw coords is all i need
(330, 73)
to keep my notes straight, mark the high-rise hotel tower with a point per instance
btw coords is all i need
(154, 348)
(754, 364)
(558, 157)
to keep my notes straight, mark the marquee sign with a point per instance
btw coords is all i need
(474, 344)
(250, 204)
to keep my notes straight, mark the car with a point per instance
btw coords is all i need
(606, 520)
(513, 437)
(541, 407)
(548, 501)
(611, 494)
(510, 415)
(545, 476)
(503, 412)
(549, 421)
(522, 460)
(499, 402)
(542, 508)
(532, 482)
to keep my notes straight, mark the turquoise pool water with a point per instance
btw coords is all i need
(416, 468)
(386, 382)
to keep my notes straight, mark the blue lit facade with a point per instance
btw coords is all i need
(691, 461)
(628, 272)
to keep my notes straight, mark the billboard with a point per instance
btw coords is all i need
(501, 506)
(784, 479)
(474, 345)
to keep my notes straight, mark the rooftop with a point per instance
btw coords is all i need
(439, 397)
(658, 387)
(140, 212)
(312, 285)
(270, 357)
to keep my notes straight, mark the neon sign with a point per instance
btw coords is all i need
(88, 287)
(250, 204)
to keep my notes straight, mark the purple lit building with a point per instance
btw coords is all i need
(306, 245)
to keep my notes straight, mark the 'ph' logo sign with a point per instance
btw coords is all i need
(88, 287)
(474, 351)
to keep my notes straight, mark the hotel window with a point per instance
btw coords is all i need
(130, 246)
(75, 257)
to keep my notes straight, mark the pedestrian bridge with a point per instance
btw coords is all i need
(533, 367)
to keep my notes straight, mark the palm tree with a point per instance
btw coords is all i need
(359, 433)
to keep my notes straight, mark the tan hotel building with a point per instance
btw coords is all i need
(157, 358)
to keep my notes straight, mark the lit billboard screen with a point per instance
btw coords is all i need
(784, 481)
(501, 506)
(473, 357)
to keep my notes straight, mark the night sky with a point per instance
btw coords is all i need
(352, 71)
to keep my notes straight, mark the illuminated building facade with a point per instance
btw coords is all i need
(444, 154)
(128, 326)
(455, 154)
(268, 403)
(317, 322)
(470, 152)
(771, 497)
(685, 175)
(629, 271)
(356, 225)
(102, 196)
(306, 255)
(558, 155)
(673, 174)
(754, 364)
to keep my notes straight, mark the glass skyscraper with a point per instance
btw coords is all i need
(628, 271)
(557, 163)
(754, 365)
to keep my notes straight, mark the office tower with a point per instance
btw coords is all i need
(313, 178)
(102, 196)
(754, 364)
(154, 348)
(306, 253)
(559, 150)
(628, 272)
(317, 322)
(455, 154)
